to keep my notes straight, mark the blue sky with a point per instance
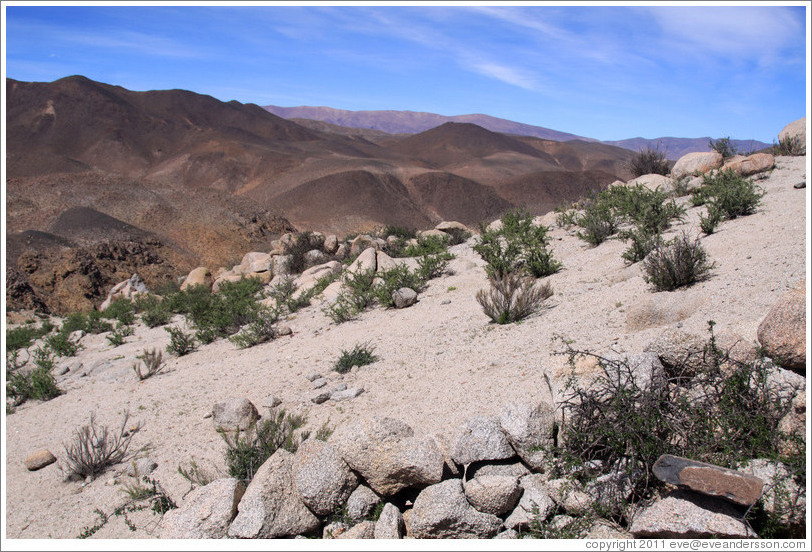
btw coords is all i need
(603, 71)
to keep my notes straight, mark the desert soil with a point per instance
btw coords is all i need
(441, 361)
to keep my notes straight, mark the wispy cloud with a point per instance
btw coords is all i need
(509, 75)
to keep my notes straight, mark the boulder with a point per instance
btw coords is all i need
(39, 459)
(234, 414)
(795, 130)
(324, 481)
(255, 261)
(570, 496)
(390, 523)
(529, 430)
(783, 497)
(330, 244)
(456, 230)
(433, 233)
(696, 163)
(603, 529)
(493, 494)
(362, 243)
(206, 512)
(644, 369)
(793, 424)
(680, 353)
(362, 502)
(366, 261)
(756, 163)
(229, 276)
(316, 240)
(481, 438)
(280, 265)
(128, 289)
(782, 333)
(441, 511)
(314, 257)
(339, 395)
(200, 276)
(271, 506)
(534, 503)
(404, 297)
(502, 467)
(686, 515)
(385, 452)
(363, 530)
(653, 182)
(384, 262)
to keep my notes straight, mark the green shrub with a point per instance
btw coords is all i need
(732, 194)
(430, 267)
(180, 343)
(723, 146)
(519, 245)
(23, 336)
(393, 279)
(39, 384)
(648, 161)
(62, 345)
(791, 145)
(43, 357)
(117, 336)
(427, 245)
(708, 223)
(89, 322)
(598, 222)
(676, 263)
(399, 232)
(154, 311)
(512, 297)
(642, 243)
(566, 217)
(153, 364)
(259, 330)
(120, 309)
(245, 453)
(223, 313)
(360, 355)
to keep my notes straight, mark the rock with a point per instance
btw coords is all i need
(795, 130)
(570, 496)
(362, 502)
(362, 243)
(737, 487)
(280, 265)
(783, 497)
(330, 244)
(502, 467)
(128, 289)
(647, 313)
(433, 233)
(384, 262)
(508, 534)
(234, 414)
(331, 292)
(653, 182)
(318, 398)
(271, 401)
(346, 394)
(342, 252)
(225, 277)
(206, 512)
(313, 376)
(603, 529)
(334, 530)
(450, 469)
(363, 530)
(404, 297)
(324, 481)
(385, 452)
(38, 460)
(495, 226)
(319, 383)
(255, 261)
(271, 507)
(314, 273)
(315, 257)
(793, 424)
(141, 467)
(696, 163)
(686, 515)
(782, 333)
(390, 523)
(441, 511)
(366, 261)
(481, 438)
(316, 240)
(200, 276)
(644, 369)
(283, 330)
(529, 430)
(534, 503)
(681, 353)
(456, 230)
(756, 163)
(493, 494)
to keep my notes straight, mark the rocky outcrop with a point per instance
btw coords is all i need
(234, 414)
(324, 481)
(441, 511)
(685, 515)
(696, 163)
(200, 276)
(481, 438)
(206, 513)
(128, 289)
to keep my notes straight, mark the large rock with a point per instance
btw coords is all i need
(529, 430)
(643, 369)
(481, 438)
(363, 530)
(200, 276)
(330, 244)
(366, 261)
(234, 414)
(271, 507)
(681, 353)
(782, 333)
(206, 512)
(456, 230)
(534, 503)
(493, 494)
(441, 511)
(783, 497)
(737, 487)
(795, 130)
(384, 262)
(280, 265)
(404, 297)
(323, 479)
(696, 163)
(39, 459)
(686, 515)
(255, 261)
(362, 243)
(653, 182)
(362, 502)
(753, 164)
(128, 289)
(385, 452)
(390, 523)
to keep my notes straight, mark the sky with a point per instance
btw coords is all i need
(603, 71)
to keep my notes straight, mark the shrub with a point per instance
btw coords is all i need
(676, 263)
(39, 384)
(427, 245)
(360, 355)
(566, 217)
(180, 343)
(120, 309)
(223, 313)
(648, 161)
(430, 267)
(259, 330)
(195, 475)
(393, 279)
(732, 194)
(791, 145)
(723, 146)
(642, 242)
(512, 297)
(95, 448)
(62, 345)
(23, 336)
(297, 249)
(154, 311)
(598, 223)
(519, 245)
(246, 453)
(153, 363)
(43, 358)
(399, 232)
(708, 223)
(283, 293)
(88, 322)
(117, 336)
(357, 295)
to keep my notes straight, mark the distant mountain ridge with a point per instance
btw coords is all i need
(412, 122)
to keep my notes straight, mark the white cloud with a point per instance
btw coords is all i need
(509, 75)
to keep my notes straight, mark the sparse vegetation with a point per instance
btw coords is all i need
(180, 343)
(141, 497)
(39, 384)
(154, 311)
(709, 221)
(731, 194)
(117, 336)
(723, 146)
(153, 364)
(360, 355)
(648, 161)
(23, 336)
(518, 246)
(61, 344)
(676, 263)
(95, 448)
(791, 145)
(357, 295)
(642, 242)
(512, 297)
(259, 330)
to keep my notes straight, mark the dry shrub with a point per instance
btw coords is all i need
(95, 448)
(512, 297)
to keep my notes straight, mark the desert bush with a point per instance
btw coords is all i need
(90, 322)
(642, 243)
(676, 263)
(648, 161)
(154, 311)
(731, 194)
(61, 344)
(284, 292)
(95, 448)
(197, 476)
(427, 245)
(430, 267)
(393, 279)
(298, 248)
(23, 336)
(400, 232)
(565, 217)
(117, 336)
(512, 297)
(723, 146)
(180, 343)
(223, 313)
(518, 246)
(598, 222)
(357, 295)
(709, 221)
(360, 355)
(153, 364)
(259, 330)
(120, 309)
(247, 451)
(43, 357)
(39, 384)
(791, 145)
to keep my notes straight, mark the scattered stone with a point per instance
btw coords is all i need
(603, 529)
(361, 243)
(283, 330)
(346, 394)
(315, 257)
(493, 494)
(271, 401)
(481, 438)
(234, 414)
(319, 383)
(366, 261)
(280, 265)
(570, 496)
(206, 512)
(334, 530)
(737, 487)
(255, 261)
(271, 506)
(363, 530)
(442, 511)
(512, 468)
(681, 353)
(340, 386)
(508, 534)
(535, 502)
(529, 430)
(687, 515)
(696, 163)
(38, 460)
(324, 481)
(404, 297)
(800, 185)
(330, 244)
(390, 523)
(319, 398)
(313, 376)
(362, 502)
(782, 333)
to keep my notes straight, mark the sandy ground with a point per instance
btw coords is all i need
(441, 361)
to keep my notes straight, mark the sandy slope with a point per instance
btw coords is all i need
(440, 360)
